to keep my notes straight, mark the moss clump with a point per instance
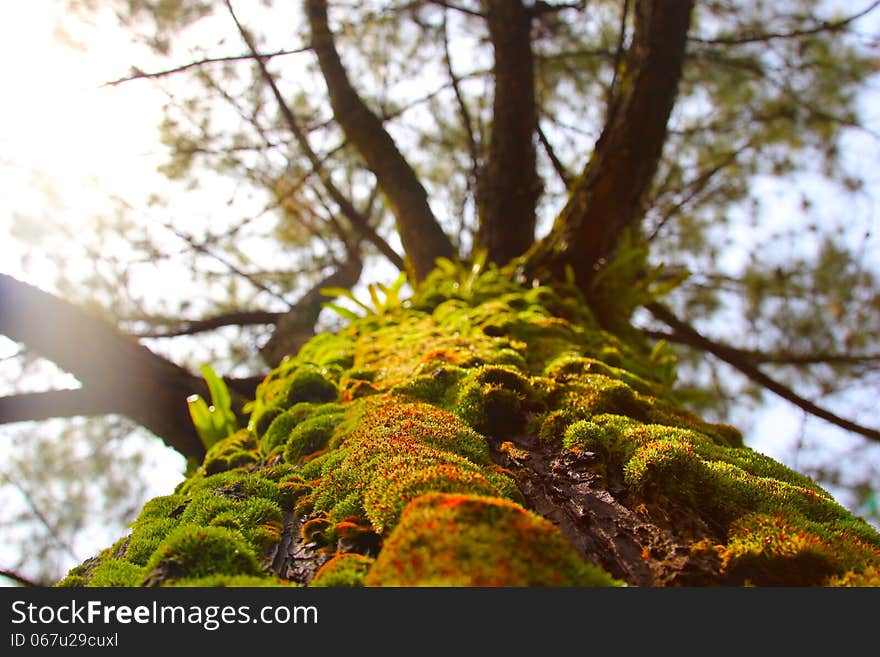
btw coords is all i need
(146, 536)
(310, 435)
(395, 453)
(329, 351)
(308, 384)
(344, 570)
(226, 581)
(234, 451)
(493, 400)
(786, 550)
(117, 572)
(233, 484)
(192, 552)
(467, 540)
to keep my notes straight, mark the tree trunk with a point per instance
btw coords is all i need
(485, 434)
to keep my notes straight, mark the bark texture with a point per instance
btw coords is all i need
(509, 186)
(607, 198)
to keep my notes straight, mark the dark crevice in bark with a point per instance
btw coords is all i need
(590, 504)
(294, 558)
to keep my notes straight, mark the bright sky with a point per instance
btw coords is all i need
(66, 144)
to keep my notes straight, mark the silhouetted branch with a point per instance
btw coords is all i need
(822, 26)
(138, 74)
(357, 219)
(134, 381)
(21, 579)
(421, 235)
(688, 335)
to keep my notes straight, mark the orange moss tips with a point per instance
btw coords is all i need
(786, 550)
(468, 540)
(343, 570)
(399, 481)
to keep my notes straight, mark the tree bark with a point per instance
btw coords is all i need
(422, 238)
(117, 373)
(608, 196)
(509, 186)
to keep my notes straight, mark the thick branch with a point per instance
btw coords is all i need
(35, 406)
(244, 318)
(357, 219)
(19, 578)
(608, 196)
(295, 327)
(734, 357)
(135, 382)
(510, 184)
(422, 238)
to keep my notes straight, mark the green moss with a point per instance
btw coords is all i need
(383, 430)
(344, 570)
(466, 540)
(397, 452)
(310, 385)
(721, 484)
(147, 534)
(234, 484)
(193, 552)
(310, 436)
(493, 400)
(787, 550)
(234, 451)
(117, 572)
(328, 350)
(162, 507)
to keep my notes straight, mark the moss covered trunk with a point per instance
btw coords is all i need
(485, 434)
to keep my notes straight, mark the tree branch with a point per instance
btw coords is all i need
(558, 167)
(455, 7)
(688, 335)
(243, 318)
(422, 238)
(511, 185)
(137, 383)
(822, 26)
(609, 195)
(138, 74)
(465, 116)
(21, 579)
(357, 219)
(296, 326)
(775, 358)
(35, 406)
